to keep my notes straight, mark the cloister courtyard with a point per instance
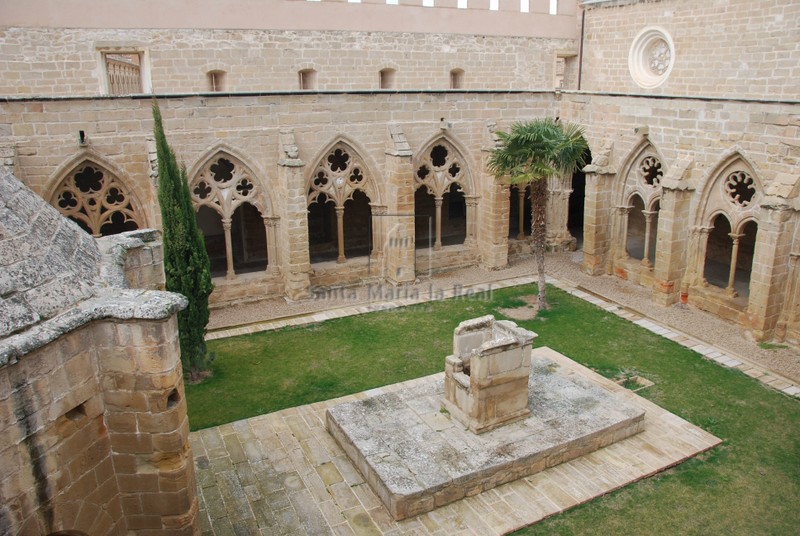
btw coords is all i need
(280, 472)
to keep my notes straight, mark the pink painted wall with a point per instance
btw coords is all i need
(369, 15)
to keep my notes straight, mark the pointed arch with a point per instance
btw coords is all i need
(442, 168)
(727, 223)
(345, 176)
(714, 197)
(339, 175)
(638, 193)
(95, 194)
(224, 181)
(642, 172)
(439, 177)
(246, 184)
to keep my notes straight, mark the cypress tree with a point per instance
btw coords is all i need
(186, 263)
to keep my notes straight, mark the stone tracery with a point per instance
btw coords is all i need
(340, 176)
(641, 200)
(229, 189)
(441, 171)
(728, 230)
(97, 201)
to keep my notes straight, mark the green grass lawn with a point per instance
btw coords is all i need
(748, 485)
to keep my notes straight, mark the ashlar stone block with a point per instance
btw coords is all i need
(486, 378)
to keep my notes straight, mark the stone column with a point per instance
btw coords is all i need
(699, 246)
(471, 202)
(292, 242)
(770, 267)
(226, 225)
(398, 227)
(340, 234)
(271, 225)
(648, 226)
(732, 268)
(521, 211)
(623, 215)
(378, 213)
(437, 244)
(558, 190)
(597, 218)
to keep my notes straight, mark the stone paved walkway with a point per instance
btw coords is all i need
(282, 474)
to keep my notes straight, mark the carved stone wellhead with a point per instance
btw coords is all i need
(486, 378)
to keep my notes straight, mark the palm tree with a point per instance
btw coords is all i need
(532, 152)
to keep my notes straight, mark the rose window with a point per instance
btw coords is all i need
(651, 57)
(660, 57)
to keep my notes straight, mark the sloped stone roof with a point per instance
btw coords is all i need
(47, 263)
(55, 278)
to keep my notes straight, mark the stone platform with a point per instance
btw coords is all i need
(416, 458)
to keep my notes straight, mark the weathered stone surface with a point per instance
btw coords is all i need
(99, 401)
(415, 467)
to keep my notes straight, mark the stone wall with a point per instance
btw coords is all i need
(261, 132)
(281, 139)
(696, 140)
(473, 17)
(92, 412)
(58, 467)
(95, 434)
(177, 61)
(732, 48)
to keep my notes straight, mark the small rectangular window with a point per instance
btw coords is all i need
(387, 78)
(462, 4)
(494, 5)
(554, 7)
(124, 72)
(308, 79)
(216, 81)
(456, 79)
(524, 6)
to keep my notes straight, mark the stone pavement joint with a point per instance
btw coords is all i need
(281, 474)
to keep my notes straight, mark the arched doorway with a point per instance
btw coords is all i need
(322, 230)
(519, 214)
(210, 223)
(340, 223)
(357, 220)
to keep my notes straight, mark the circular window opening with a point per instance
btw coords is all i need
(651, 57)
